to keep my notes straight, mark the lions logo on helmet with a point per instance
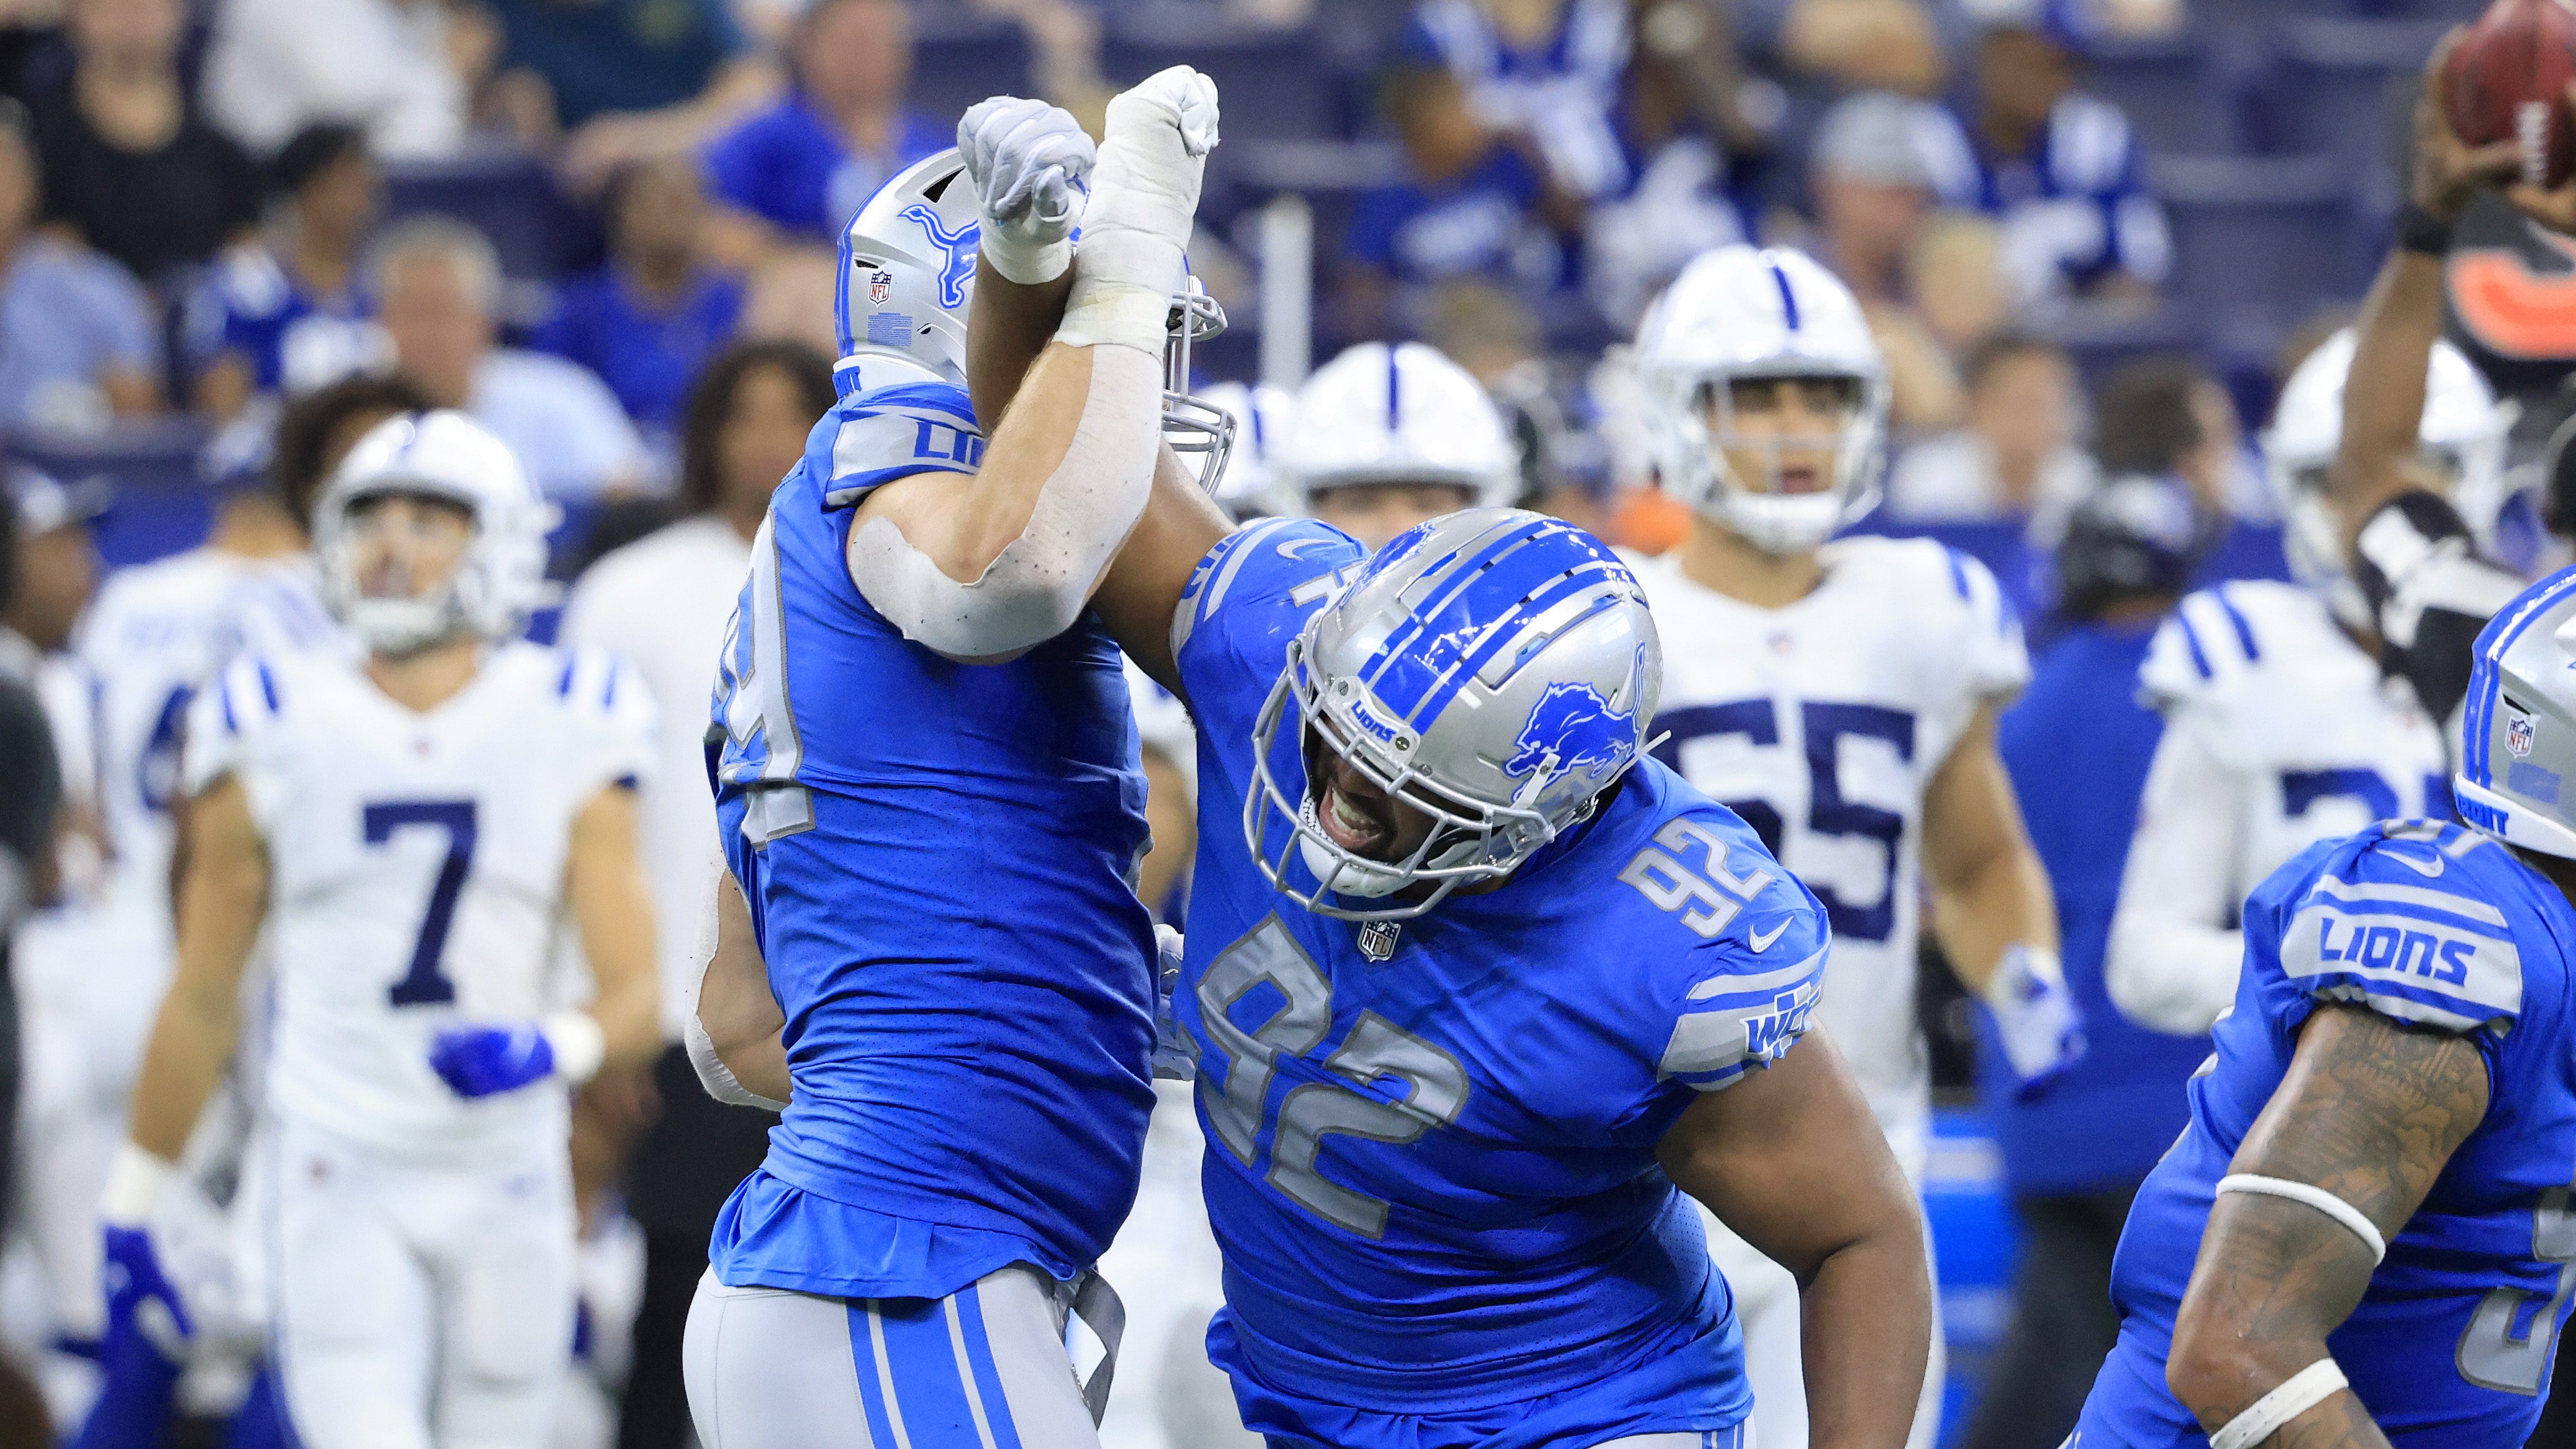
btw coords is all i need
(1739, 315)
(1573, 728)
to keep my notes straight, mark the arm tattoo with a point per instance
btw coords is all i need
(2370, 1111)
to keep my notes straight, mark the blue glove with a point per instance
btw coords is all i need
(1176, 1053)
(141, 1304)
(2035, 1018)
(478, 1061)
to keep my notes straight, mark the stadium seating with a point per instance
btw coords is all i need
(163, 503)
(510, 196)
(1277, 84)
(960, 57)
(2269, 236)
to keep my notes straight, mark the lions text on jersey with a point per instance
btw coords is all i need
(1822, 724)
(2444, 930)
(2279, 732)
(1433, 1175)
(417, 862)
(936, 857)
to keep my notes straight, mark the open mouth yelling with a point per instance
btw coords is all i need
(1360, 824)
(1800, 478)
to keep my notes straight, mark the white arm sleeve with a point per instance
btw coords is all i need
(1037, 586)
(2173, 960)
(713, 1074)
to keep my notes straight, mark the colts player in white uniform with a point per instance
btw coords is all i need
(410, 832)
(1842, 699)
(2281, 728)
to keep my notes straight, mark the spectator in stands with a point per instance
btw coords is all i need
(1685, 124)
(2077, 745)
(1545, 70)
(648, 320)
(624, 80)
(56, 560)
(1959, 283)
(1474, 204)
(1863, 44)
(2015, 456)
(439, 284)
(796, 171)
(129, 166)
(289, 311)
(277, 66)
(661, 604)
(79, 343)
(2164, 416)
(1874, 162)
(2059, 169)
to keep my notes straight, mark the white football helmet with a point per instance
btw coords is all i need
(1738, 314)
(2462, 436)
(908, 279)
(445, 455)
(1260, 414)
(1391, 415)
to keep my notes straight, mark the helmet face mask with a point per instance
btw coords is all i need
(1490, 756)
(445, 461)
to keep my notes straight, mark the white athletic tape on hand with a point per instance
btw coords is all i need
(2316, 1197)
(580, 1047)
(134, 1182)
(1037, 586)
(2294, 1396)
(1144, 201)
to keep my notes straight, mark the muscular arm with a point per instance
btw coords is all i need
(1790, 1158)
(2383, 409)
(1989, 891)
(222, 902)
(613, 909)
(2172, 959)
(2370, 1111)
(735, 1004)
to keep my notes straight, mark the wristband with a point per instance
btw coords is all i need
(2354, 1220)
(2422, 232)
(2293, 1396)
(134, 1182)
(579, 1045)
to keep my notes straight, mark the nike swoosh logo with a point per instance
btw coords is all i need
(1299, 547)
(2424, 868)
(1762, 939)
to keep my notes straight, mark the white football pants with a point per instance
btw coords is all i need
(984, 1368)
(419, 1306)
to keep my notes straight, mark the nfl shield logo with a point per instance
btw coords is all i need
(1377, 939)
(2517, 735)
(880, 286)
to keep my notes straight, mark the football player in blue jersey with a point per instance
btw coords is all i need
(927, 949)
(2364, 1234)
(1476, 991)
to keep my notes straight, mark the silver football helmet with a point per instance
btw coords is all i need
(2518, 727)
(908, 279)
(1494, 669)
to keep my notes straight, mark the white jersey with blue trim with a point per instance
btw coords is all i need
(1431, 1143)
(2279, 732)
(1822, 724)
(156, 634)
(416, 866)
(2441, 929)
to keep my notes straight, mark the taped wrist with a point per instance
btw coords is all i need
(714, 1075)
(1030, 264)
(1037, 586)
(578, 1043)
(134, 1182)
(2430, 594)
(1122, 293)
(2294, 1396)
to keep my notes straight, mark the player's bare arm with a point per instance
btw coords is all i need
(1792, 1160)
(223, 899)
(737, 1010)
(613, 909)
(2369, 1112)
(988, 569)
(1991, 904)
(2402, 315)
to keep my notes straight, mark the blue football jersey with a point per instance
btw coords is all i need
(1433, 1175)
(937, 857)
(2437, 927)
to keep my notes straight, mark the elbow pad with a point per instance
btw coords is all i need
(715, 1076)
(1036, 587)
(2430, 593)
